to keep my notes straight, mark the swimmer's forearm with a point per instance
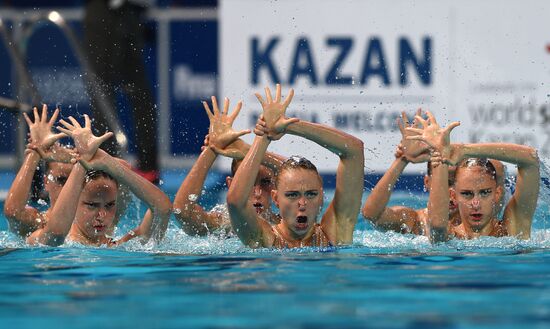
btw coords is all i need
(245, 177)
(61, 216)
(244, 219)
(18, 194)
(338, 142)
(271, 160)
(380, 195)
(512, 153)
(142, 188)
(438, 203)
(190, 189)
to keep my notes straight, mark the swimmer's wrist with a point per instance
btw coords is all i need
(30, 150)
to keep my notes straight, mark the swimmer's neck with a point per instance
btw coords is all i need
(76, 235)
(292, 239)
(484, 231)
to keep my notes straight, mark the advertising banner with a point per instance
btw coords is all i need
(356, 64)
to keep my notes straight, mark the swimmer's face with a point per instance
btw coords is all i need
(299, 197)
(260, 196)
(476, 195)
(56, 176)
(96, 208)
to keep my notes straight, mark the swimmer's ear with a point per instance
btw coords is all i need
(426, 183)
(498, 192)
(228, 181)
(452, 195)
(275, 198)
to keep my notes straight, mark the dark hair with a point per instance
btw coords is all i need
(297, 162)
(483, 163)
(235, 165)
(96, 174)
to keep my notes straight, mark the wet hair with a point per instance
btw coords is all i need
(96, 174)
(452, 173)
(483, 163)
(297, 162)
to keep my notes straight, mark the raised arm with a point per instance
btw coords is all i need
(518, 214)
(251, 229)
(60, 217)
(438, 203)
(238, 149)
(375, 208)
(189, 213)
(23, 219)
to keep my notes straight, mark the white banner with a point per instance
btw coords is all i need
(357, 64)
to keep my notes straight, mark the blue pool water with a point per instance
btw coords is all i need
(384, 280)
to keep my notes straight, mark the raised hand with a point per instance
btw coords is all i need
(86, 144)
(220, 132)
(274, 112)
(40, 131)
(414, 151)
(56, 153)
(97, 162)
(432, 134)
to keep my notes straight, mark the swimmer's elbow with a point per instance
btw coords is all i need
(10, 211)
(234, 200)
(355, 149)
(163, 208)
(534, 157)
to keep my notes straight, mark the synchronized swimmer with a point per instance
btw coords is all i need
(89, 189)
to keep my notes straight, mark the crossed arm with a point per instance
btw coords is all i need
(155, 220)
(518, 214)
(60, 217)
(339, 220)
(23, 219)
(375, 208)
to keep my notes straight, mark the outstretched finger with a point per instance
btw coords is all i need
(105, 137)
(278, 93)
(66, 124)
(241, 133)
(215, 105)
(65, 131)
(225, 106)
(35, 112)
(289, 97)
(415, 121)
(54, 117)
(405, 119)
(399, 122)
(87, 122)
(289, 121)
(74, 122)
(27, 119)
(236, 111)
(421, 122)
(260, 99)
(451, 126)
(268, 95)
(207, 109)
(431, 118)
(44, 117)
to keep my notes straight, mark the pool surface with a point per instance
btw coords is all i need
(384, 280)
